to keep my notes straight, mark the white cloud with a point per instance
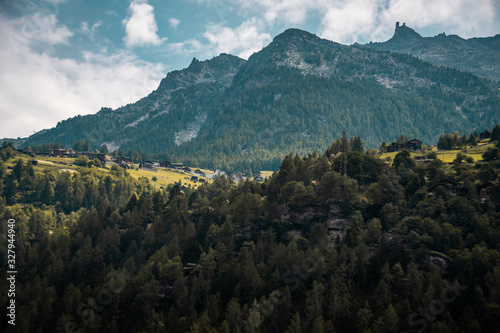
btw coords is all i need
(348, 21)
(111, 13)
(141, 28)
(174, 23)
(466, 18)
(90, 31)
(39, 29)
(242, 41)
(39, 89)
(287, 11)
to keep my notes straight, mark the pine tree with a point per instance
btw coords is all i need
(383, 147)
(495, 133)
(295, 326)
(357, 145)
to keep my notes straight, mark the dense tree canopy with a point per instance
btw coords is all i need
(378, 249)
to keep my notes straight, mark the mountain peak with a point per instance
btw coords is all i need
(404, 32)
(219, 69)
(294, 34)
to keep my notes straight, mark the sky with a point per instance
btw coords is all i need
(62, 58)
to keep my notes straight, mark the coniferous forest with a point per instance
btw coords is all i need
(332, 242)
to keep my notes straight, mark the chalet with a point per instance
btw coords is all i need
(235, 177)
(485, 135)
(120, 160)
(451, 185)
(414, 145)
(198, 171)
(186, 168)
(202, 181)
(148, 165)
(258, 178)
(194, 178)
(156, 164)
(422, 160)
(257, 174)
(177, 166)
(100, 156)
(483, 191)
(91, 156)
(58, 152)
(219, 172)
(395, 147)
(165, 164)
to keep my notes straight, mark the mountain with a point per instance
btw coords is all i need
(480, 56)
(174, 112)
(298, 93)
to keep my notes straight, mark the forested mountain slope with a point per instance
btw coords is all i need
(298, 94)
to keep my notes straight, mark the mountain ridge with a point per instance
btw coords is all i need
(298, 93)
(478, 55)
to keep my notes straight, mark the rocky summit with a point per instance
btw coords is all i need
(480, 56)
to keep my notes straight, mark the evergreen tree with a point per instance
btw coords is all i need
(473, 139)
(357, 145)
(383, 147)
(104, 149)
(495, 133)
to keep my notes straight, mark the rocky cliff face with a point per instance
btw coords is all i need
(480, 56)
(220, 70)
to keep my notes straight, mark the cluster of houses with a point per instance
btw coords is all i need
(126, 162)
(165, 164)
(411, 145)
(151, 165)
(58, 152)
(257, 175)
(414, 145)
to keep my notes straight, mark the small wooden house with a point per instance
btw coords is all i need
(483, 191)
(451, 185)
(414, 145)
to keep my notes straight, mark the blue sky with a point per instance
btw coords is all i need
(61, 58)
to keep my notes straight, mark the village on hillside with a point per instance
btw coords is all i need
(191, 176)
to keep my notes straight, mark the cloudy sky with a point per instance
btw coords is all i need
(61, 58)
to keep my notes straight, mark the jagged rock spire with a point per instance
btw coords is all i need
(405, 32)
